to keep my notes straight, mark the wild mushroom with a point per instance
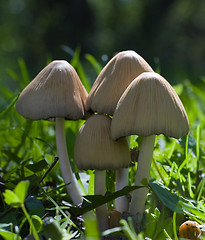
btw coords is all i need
(112, 81)
(95, 149)
(148, 107)
(56, 93)
(107, 89)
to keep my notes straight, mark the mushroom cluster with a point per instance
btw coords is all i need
(127, 98)
(139, 102)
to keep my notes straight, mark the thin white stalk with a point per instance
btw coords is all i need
(65, 167)
(138, 200)
(122, 176)
(101, 212)
(121, 203)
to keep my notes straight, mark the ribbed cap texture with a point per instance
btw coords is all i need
(149, 106)
(112, 81)
(55, 92)
(95, 149)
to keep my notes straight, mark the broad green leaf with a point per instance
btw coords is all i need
(169, 199)
(21, 190)
(11, 198)
(35, 206)
(38, 166)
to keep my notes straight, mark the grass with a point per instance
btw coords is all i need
(28, 151)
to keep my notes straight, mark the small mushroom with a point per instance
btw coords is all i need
(148, 107)
(56, 93)
(114, 218)
(95, 149)
(190, 230)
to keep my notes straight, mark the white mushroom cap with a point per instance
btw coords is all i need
(95, 149)
(149, 106)
(112, 81)
(55, 92)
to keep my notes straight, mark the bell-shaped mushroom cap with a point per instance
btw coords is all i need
(112, 81)
(149, 106)
(55, 92)
(95, 149)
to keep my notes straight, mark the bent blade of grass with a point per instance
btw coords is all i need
(94, 63)
(9, 106)
(75, 62)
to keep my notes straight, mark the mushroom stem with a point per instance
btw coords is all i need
(121, 203)
(66, 171)
(101, 212)
(138, 200)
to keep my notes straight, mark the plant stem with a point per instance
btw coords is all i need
(66, 171)
(34, 232)
(101, 212)
(143, 171)
(174, 226)
(122, 203)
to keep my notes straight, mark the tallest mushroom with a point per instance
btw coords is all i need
(107, 89)
(56, 93)
(148, 107)
(112, 81)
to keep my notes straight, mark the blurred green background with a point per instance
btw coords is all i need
(169, 34)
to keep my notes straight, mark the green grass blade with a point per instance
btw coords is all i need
(7, 109)
(24, 71)
(94, 63)
(174, 226)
